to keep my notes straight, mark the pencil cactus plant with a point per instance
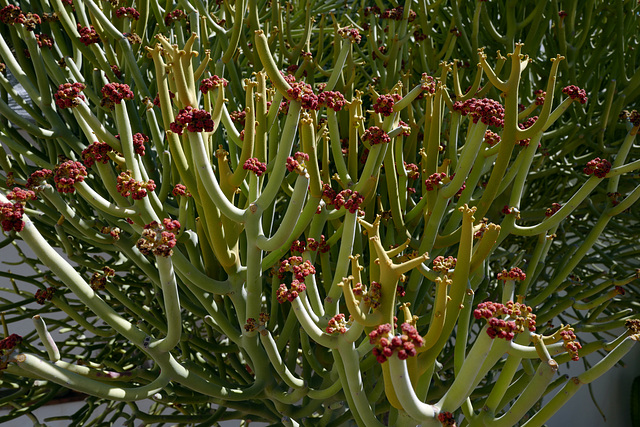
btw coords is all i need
(301, 214)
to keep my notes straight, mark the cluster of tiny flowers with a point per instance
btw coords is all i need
(555, 207)
(491, 138)
(44, 295)
(397, 13)
(116, 71)
(303, 92)
(633, 116)
(127, 11)
(351, 34)
(96, 152)
(514, 274)
(13, 15)
(212, 82)
(374, 135)
(296, 266)
(44, 41)
(11, 216)
(158, 239)
(310, 244)
(447, 419)
(128, 186)
(434, 181)
(443, 265)
(193, 119)
(404, 343)
(428, 83)
(350, 199)
(88, 35)
(67, 94)
(289, 294)
(254, 165)
(633, 326)
(570, 343)
(507, 210)
(331, 99)
(575, 93)
(37, 179)
(384, 104)
(99, 279)
(486, 110)
(296, 162)
(139, 140)
(180, 190)
(337, 324)
(114, 232)
(21, 195)
(540, 95)
(66, 174)
(115, 93)
(598, 167)
(176, 15)
(530, 121)
(520, 315)
(372, 297)
(9, 342)
(413, 171)
(238, 117)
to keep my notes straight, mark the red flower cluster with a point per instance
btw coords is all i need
(238, 117)
(286, 294)
(350, 199)
(375, 136)
(384, 104)
(193, 119)
(413, 171)
(114, 93)
(370, 297)
(428, 83)
(21, 195)
(121, 12)
(633, 116)
(555, 207)
(44, 295)
(540, 95)
(11, 216)
(514, 274)
(443, 265)
(337, 324)
(127, 186)
(571, 343)
(139, 139)
(351, 34)
(176, 15)
(212, 82)
(96, 152)
(303, 92)
(310, 244)
(36, 179)
(254, 165)
(296, 266)
(44, 41)
(99, 280)
(491, 138)
(296, 162)
(30, 20)
(598, 167)
(520, 315)
(67, 94)
(156, 100)
(434, 181)
(446, 418)
(158, 239)
(88, 35)
(66, 174)
(9, 14)
(396, 14)
(486, 110)
(404, 344)
(9, 342)
(575, 93)
(180, 190)
(331, 99)
(530, 121)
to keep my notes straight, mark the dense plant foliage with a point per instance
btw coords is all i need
(310, 213)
